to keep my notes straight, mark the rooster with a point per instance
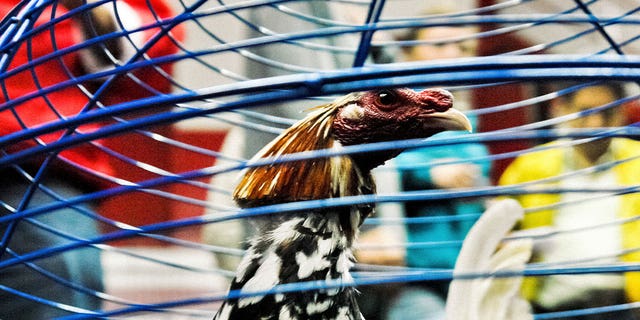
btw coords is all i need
(317, 244)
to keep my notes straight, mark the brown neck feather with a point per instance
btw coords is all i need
(319, 178)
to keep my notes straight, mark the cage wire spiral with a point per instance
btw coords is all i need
(242, 72)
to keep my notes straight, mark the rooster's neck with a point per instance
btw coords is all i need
(319, 178)
(311, 245)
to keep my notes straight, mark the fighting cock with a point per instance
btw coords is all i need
(316, 244)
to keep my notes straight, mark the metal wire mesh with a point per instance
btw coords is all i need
(248, 68)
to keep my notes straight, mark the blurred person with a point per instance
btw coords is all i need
(632, 113)
(572, 292)
(419, 170)
(82, 267)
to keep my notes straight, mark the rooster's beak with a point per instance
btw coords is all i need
(451, 119)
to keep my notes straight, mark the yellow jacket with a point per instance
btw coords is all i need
(548, 163)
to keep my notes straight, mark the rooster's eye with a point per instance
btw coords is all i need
(387, 97)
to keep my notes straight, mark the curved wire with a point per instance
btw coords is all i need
(237, 97)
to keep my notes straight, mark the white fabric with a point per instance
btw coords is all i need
(603, 240)
(130, 21)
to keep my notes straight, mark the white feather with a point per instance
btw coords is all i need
(224, 313)
(343, 314)
(309, 264)
(318, 307)
(344, 263)
(245, 263)
(285, 313)
(266, 277)
(284, 232)
(325, 246)
(352, 111)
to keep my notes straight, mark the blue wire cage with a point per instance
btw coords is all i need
(240, 72)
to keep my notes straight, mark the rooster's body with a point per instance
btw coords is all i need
(316, 244)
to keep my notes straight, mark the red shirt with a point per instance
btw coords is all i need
(69, 101)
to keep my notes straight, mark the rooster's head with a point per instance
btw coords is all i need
(357, 118)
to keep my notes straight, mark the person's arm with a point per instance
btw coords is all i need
(446, 176)
(94, 23)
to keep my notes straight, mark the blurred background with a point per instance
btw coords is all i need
(141, 126)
